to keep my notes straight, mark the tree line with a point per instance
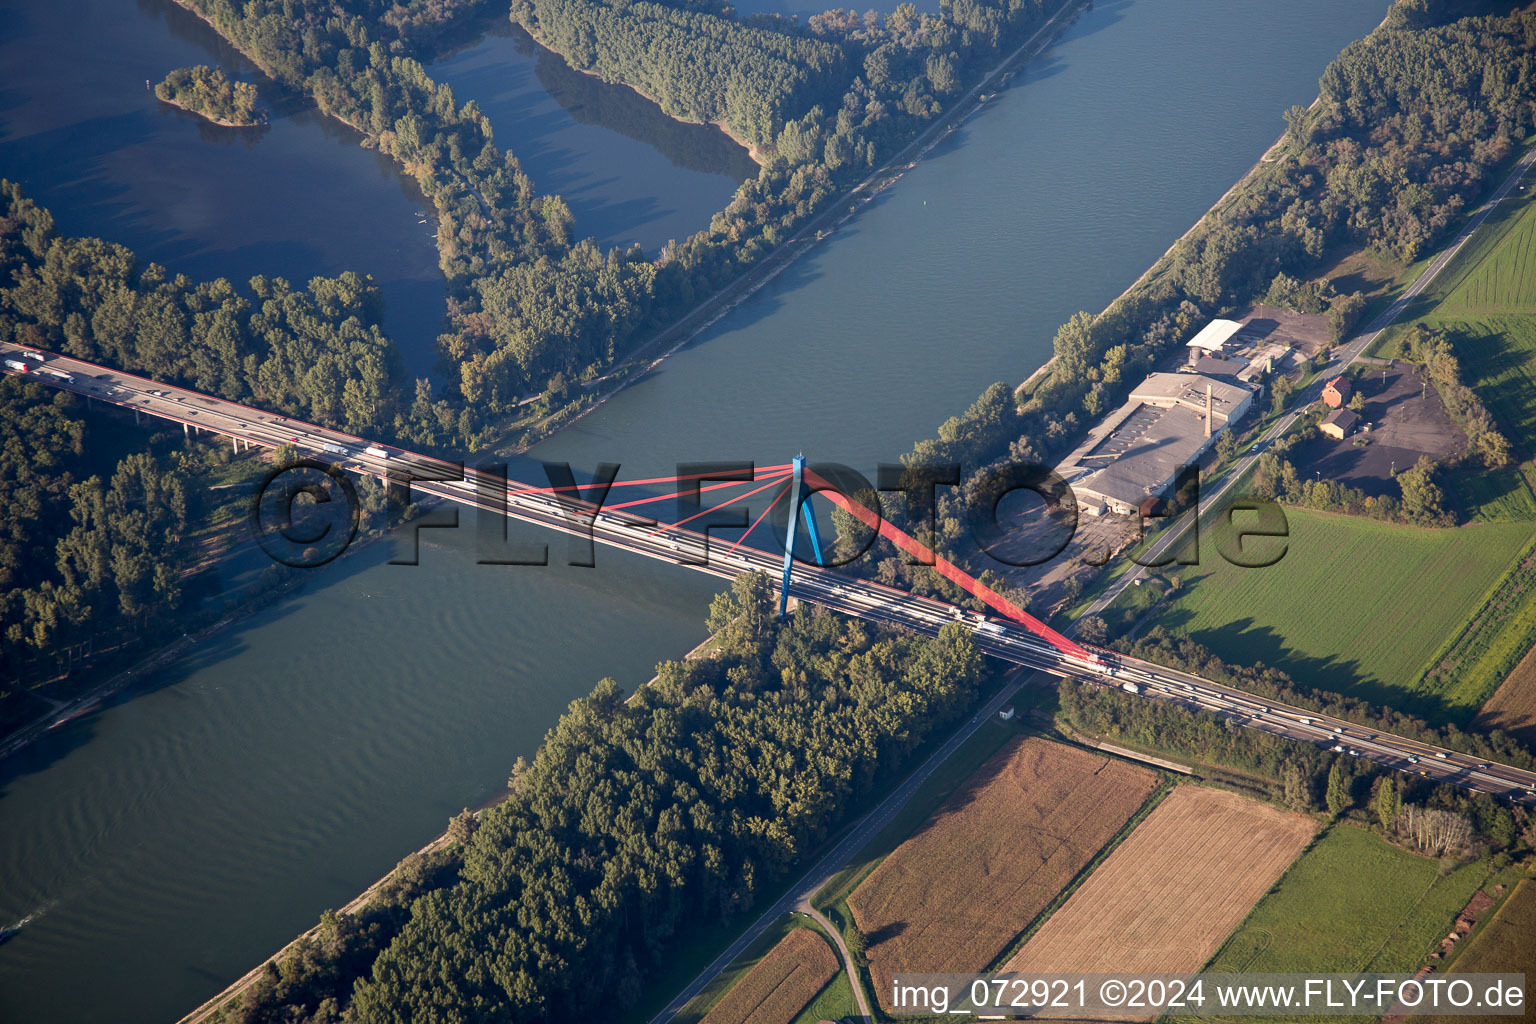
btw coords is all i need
(316, 352)
(697, 65)
(535, 309)
(90, 545)
(1433, 818)
(1411, 123)
(640, 819)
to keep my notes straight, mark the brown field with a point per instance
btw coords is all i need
(1506, 944)
(1164, 900)
(781, 984)
(992, 857)
(1513, 705)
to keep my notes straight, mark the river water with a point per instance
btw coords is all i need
(171, 840)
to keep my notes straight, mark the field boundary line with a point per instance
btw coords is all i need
(1153, 801)
(1449, 645)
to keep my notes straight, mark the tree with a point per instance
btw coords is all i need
(1226, 444)
(858, 945)
(1502, 830)
(1387, 801)
(1338, 790)
(1422, 498)
(1357, 403)
(461, 827)
(1494, 449)
(1281, 389)
(1073, 346)
(1296, 787)
(1092, 629)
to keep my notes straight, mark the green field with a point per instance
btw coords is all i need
(1507, 943)
(1355, 606)
(1497, 272)
(1485, 298)
(1353, 902)
(834, 1003)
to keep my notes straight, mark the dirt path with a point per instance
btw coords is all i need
(804, 907)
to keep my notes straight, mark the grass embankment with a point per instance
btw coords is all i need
(1352, 903)
(1355, 606)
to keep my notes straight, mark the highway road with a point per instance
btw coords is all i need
(1212, 504)
(1005, 640)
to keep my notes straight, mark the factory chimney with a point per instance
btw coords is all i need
(1207, 410)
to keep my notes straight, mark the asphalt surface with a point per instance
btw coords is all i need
(1007, 641)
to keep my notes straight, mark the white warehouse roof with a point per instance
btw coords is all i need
(1215, 334)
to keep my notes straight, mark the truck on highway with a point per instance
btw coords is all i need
(67, 378)
(36, 357)
(990, 628)
(334, 449)
(376, 452)
(17, 365)
(1130, 687)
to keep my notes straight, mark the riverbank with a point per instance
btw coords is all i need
(221, 122)
(1158, 265)
(646, 357)
(227, 998)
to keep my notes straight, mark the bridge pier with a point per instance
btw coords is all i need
(795, 511)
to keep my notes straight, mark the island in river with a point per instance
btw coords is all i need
(211, 94)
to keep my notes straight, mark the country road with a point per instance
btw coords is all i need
(834, 860)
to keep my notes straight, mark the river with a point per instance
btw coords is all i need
(174, 838)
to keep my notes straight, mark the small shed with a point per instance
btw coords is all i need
(1006, 713)
(1336, 392)
(1339, 424)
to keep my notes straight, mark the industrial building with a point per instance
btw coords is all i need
(1134, 453)
(1213, 337)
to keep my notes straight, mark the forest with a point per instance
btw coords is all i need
(638, 820)
(82, 555)
(699, 66)
(316, 352)
(94, 545)
(533, 307)
(209, 92)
